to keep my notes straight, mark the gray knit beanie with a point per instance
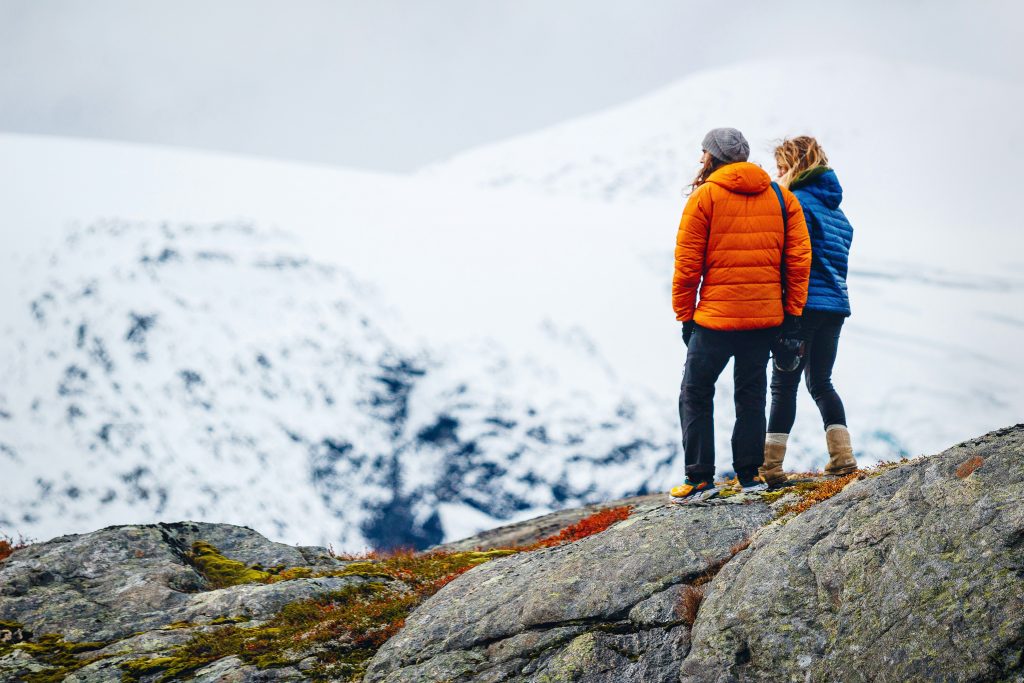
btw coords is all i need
(727, 144)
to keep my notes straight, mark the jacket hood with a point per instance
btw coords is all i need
(742, 177)
(821, 184)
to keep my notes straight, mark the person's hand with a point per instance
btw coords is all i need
(688, 328)
(790, 327)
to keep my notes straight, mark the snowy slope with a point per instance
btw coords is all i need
(175, 368)
(166, 371)
(921, 151)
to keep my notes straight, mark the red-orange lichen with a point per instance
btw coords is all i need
(588, 526)
(967, 468)
(8, 545)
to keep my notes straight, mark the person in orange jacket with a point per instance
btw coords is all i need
(742, 263)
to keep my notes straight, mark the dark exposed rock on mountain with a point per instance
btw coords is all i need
(911, 572)
(217, 371)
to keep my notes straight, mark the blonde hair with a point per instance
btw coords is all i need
(798, 155)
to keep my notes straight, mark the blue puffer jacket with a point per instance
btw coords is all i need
(819, 193)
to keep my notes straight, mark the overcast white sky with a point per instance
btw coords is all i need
(395, 84)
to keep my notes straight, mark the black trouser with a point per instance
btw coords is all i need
(821, 331)
(707, 355)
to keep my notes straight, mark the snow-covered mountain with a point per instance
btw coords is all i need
(163, 371)
(923, 152)
(355, 358)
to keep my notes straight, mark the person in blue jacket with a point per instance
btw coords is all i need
(803, 168)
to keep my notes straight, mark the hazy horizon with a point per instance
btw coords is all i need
(396, 85)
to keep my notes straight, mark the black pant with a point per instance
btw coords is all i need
(707, 355)
(821, 331)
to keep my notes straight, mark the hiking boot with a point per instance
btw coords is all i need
(745, 483)
(752, 485)
(691, 491)
(774, 453)
(840, 451)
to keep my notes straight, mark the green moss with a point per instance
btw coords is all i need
(336, 622)
(772, 496)
(238, 619)
(568, 664)
(14, 634)
(169, 667)
(221, 571)
(282, 574)
(175, 625)
(62, 656)
(342, 629)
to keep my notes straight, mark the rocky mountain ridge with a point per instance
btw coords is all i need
(911, 572)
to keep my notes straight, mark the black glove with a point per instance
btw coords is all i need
(791, 328)
(688, 327)
(789, 347)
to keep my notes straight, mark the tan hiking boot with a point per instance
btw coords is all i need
(774, 453)
(840, 451)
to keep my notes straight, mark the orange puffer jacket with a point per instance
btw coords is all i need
(733, 245)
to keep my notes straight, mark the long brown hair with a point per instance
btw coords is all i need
(710, 165)
(797, 155)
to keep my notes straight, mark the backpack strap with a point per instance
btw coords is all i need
(816, 260)
(782, 205)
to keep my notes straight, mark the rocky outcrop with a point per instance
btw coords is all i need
(914, 575)
(124, 580)
(532, 530)
(136, 590)
(912, 572)
(608, 605)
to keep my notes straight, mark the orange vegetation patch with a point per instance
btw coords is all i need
(821, 491)
(691, 598)
(739, 547)
(967, 468)
(693, 594)
(588, 526)
(8, 545)
(343, 628)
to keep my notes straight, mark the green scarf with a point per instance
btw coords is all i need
(807, 176)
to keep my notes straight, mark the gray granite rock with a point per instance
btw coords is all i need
(531, 616)
(134, 588)
(233, 670)
(119, 581)
(913, 575)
